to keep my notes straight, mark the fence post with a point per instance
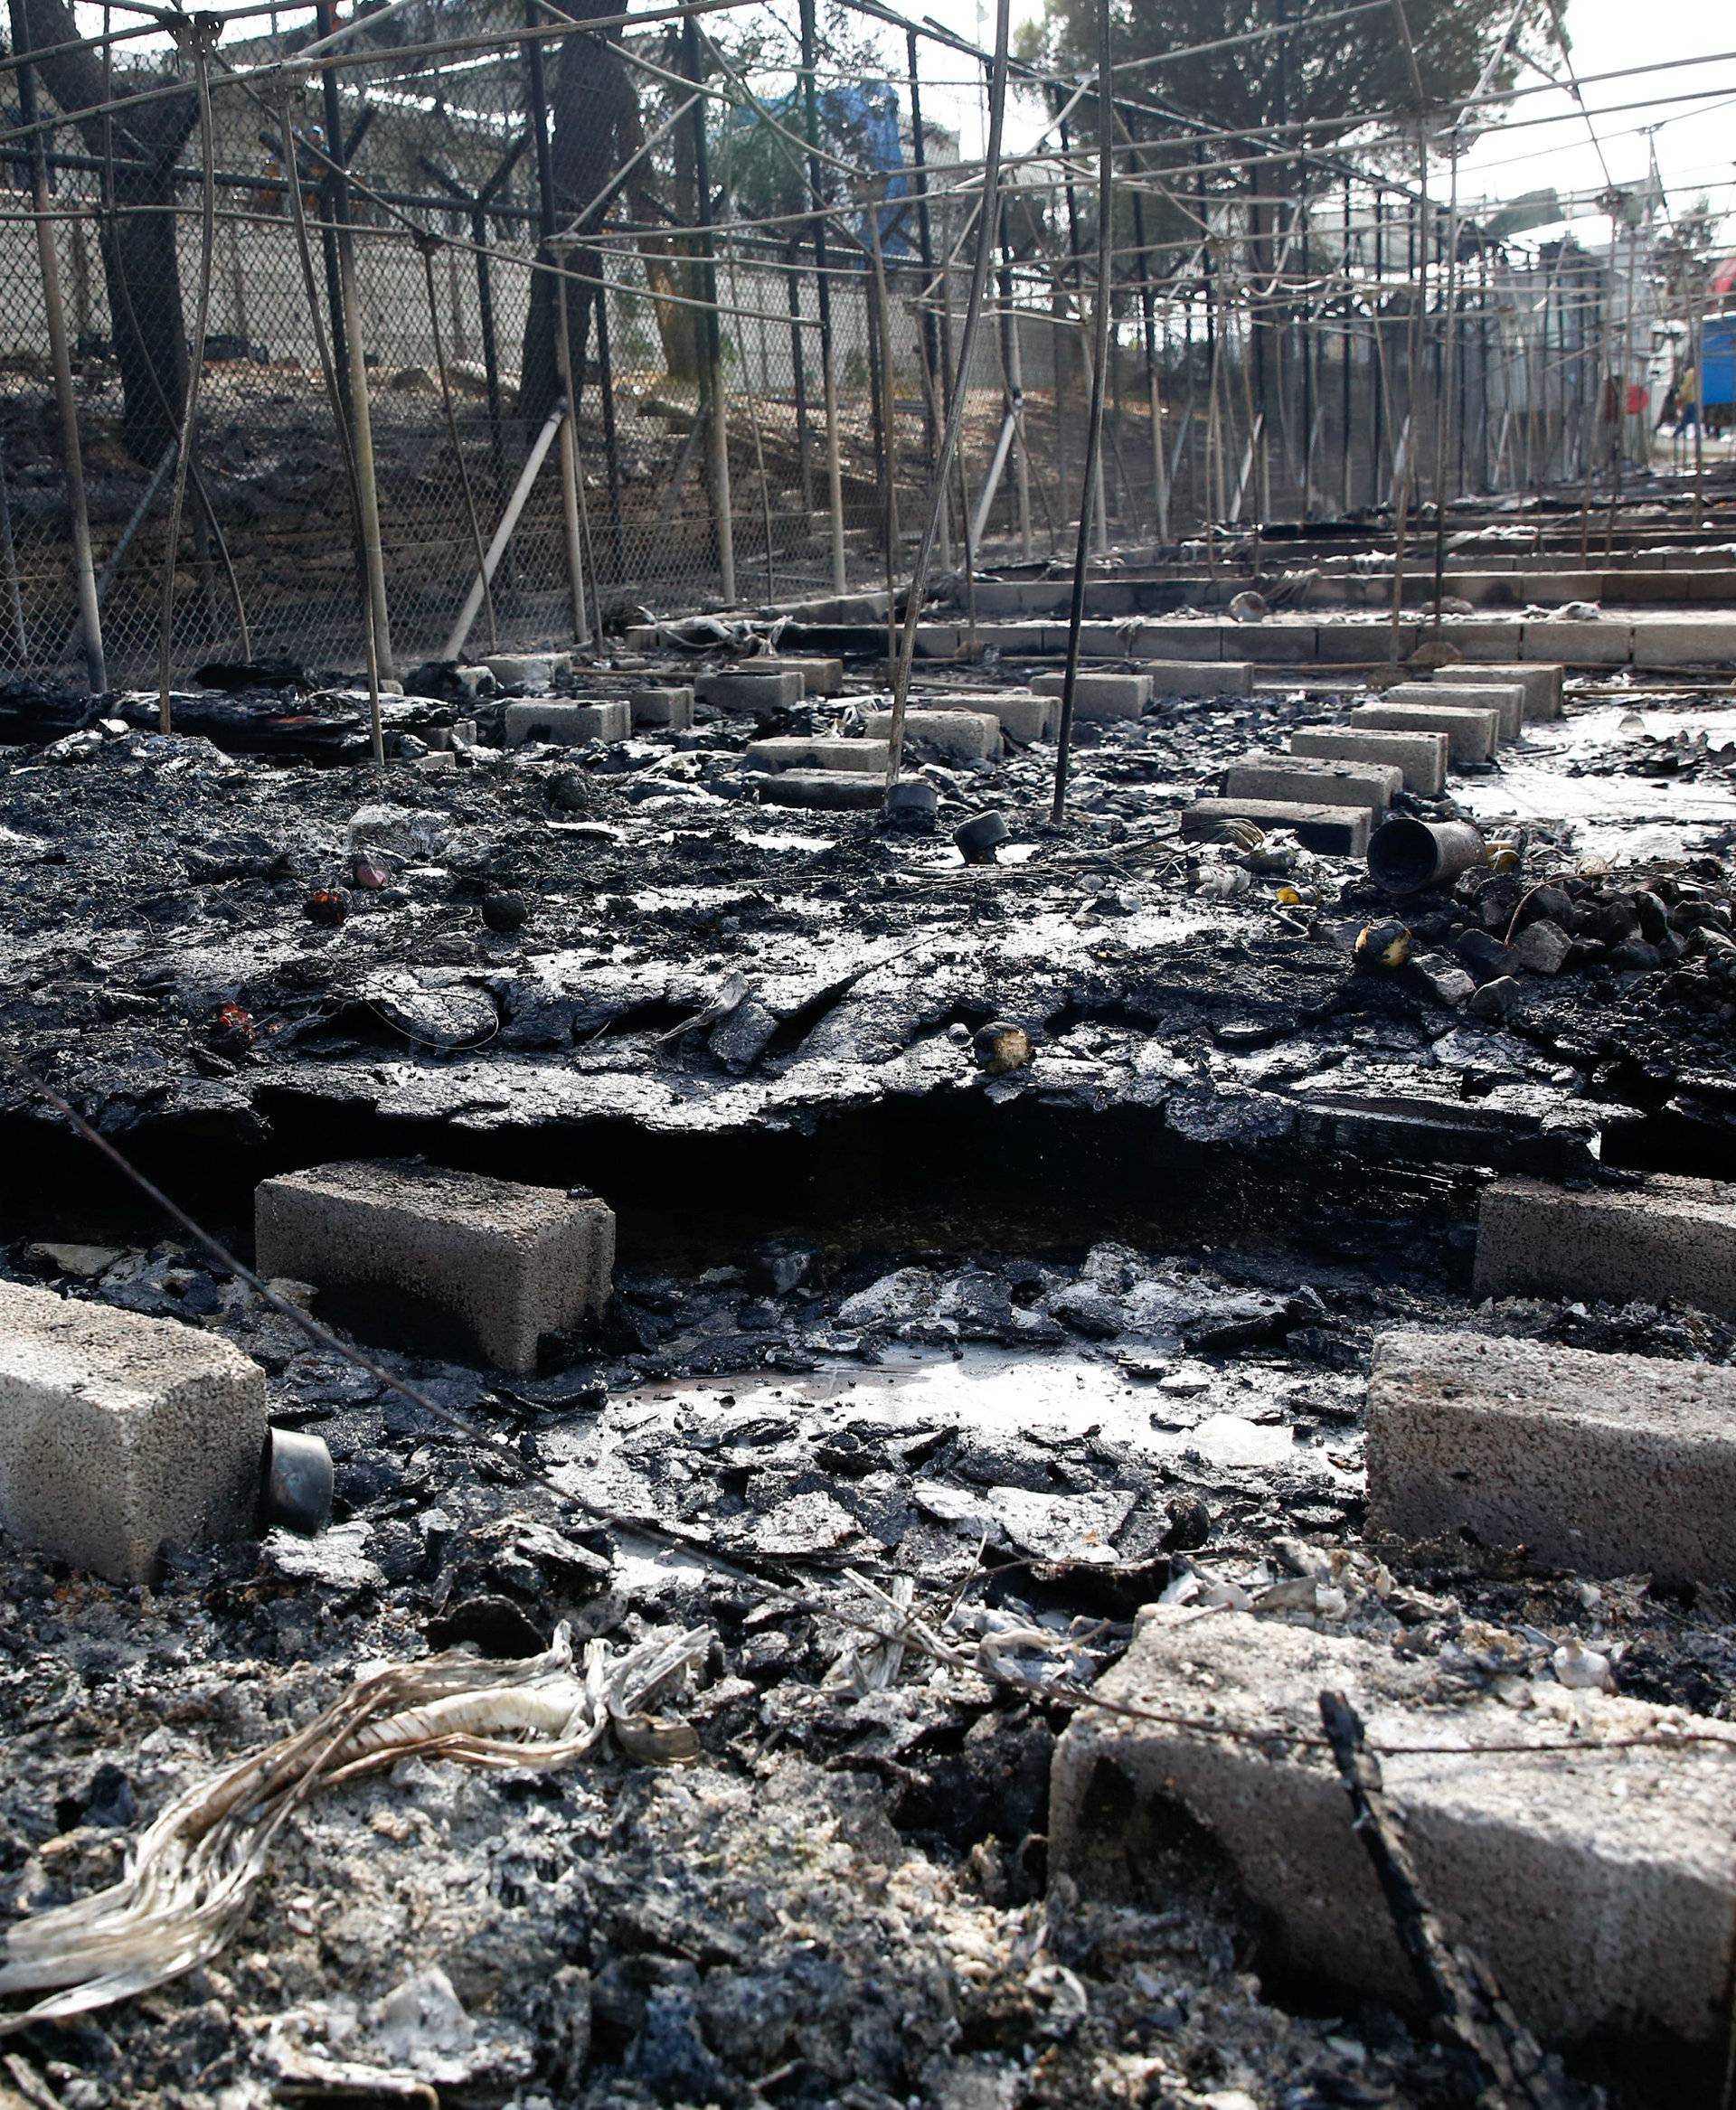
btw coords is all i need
(717, 430)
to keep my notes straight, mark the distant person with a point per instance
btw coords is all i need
(1687, 400)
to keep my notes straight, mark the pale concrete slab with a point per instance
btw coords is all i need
(119, 1432)
(566, 725)
(1600, 1882)
(1365, 644)
(973, 734)
(1098, 698)
(1578, 644)
(743, 689)
(497, 1262)
(1471, 735)
(1541, 684)
(1337, 831)
(670, 709)
(1507, 698)
(1665, 1239)
(1419, 758)
(1611, 1464)
(1707, 641)
(819, 752)
(1368, 784)
(820, 676)
(1203, 677)
(1188, 637)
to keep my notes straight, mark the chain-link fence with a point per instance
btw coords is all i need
(429, 181)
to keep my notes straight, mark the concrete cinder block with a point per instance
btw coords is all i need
(1365, 644)
(968, 733)
(494, 1262)
(1471, 735)
(1368, 784)
(825, 790)
(119, 1432)
(669, 707)
(568, 725)
(1541, 684)
(1599, 1882)
(1419, 758)
(1613, 1464)
(1507, 698)
(1270, 643)
(1667, 1237)
(938, 640)
(1604, 644)
(1186, 638)
(1479, 638)
(1024, 719)
(1229, 677)
(743, 689)
(1337, 831)
(820, 677)
(529, 671)
(1098, 698)
(1662, 641)
(1096, 640)
(873, 756)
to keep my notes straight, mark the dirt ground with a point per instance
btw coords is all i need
(1044, 1341)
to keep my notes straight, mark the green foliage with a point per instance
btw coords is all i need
(1342, 76)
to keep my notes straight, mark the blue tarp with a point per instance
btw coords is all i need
(1718, 359)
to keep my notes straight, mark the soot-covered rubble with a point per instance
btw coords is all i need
(1046, 1342)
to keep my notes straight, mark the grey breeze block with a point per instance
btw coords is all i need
(500, 1262)
(119, 1432)
(1098, 697)
(567, 725)
(1420, 757)
(1613, 1464)
(1667, 1237)
(1600, 1884)
(1472, 736)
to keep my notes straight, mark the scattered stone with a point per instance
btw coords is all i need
(1444, 980)
(505, 910)
(1498, 999)
(83, 1263)
(1542, 947)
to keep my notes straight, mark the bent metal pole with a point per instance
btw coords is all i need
(988, 219)
(1094, 425)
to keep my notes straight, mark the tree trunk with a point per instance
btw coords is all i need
(595, 126)
(139, 260)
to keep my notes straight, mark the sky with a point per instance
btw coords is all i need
(1695, 142)
(1544, 143)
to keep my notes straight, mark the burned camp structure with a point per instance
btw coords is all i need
(866, 973)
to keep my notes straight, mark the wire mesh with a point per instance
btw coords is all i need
(1285, 374)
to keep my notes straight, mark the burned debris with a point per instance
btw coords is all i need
(869, 1232)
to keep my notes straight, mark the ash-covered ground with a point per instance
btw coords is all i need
(1037, 1342)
